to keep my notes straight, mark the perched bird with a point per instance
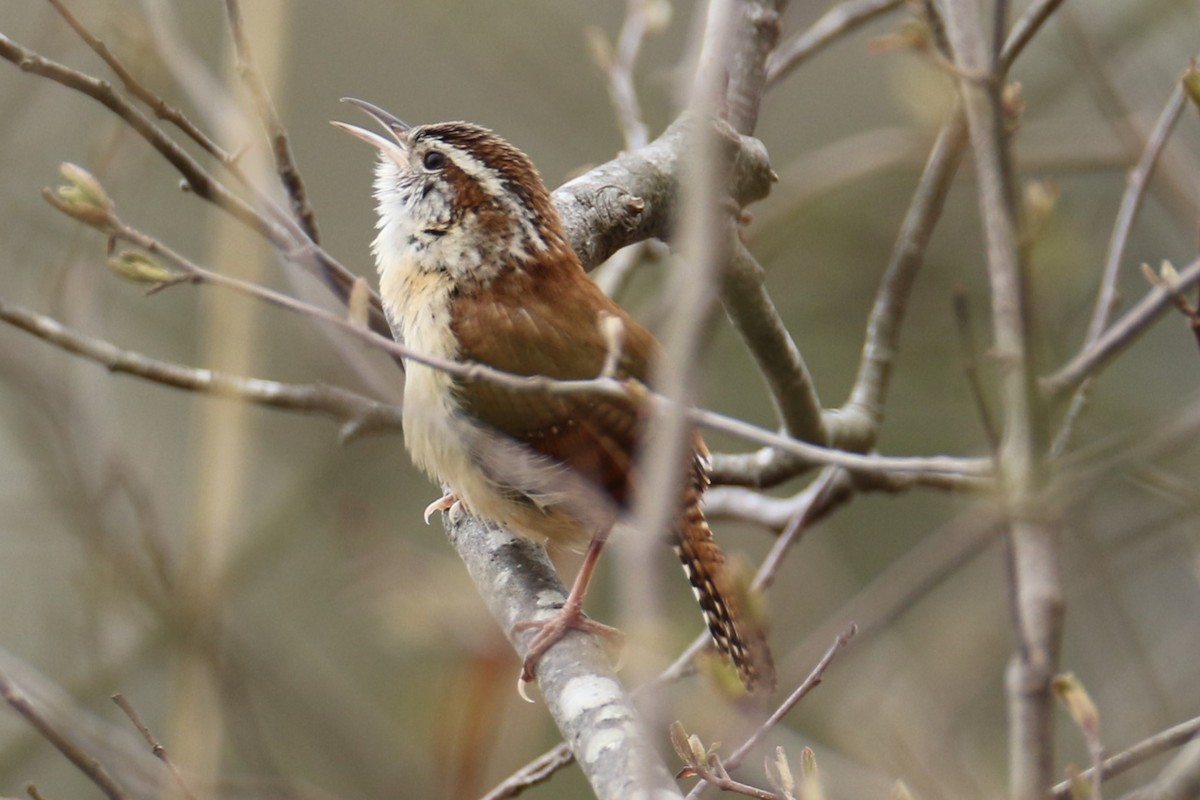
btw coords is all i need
(474, 266)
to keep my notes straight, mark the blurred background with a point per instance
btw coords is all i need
(270, 601)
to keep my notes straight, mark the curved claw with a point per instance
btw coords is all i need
(522, 688)
(446, 501)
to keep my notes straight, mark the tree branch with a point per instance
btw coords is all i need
(1121, 334)
(1180, 780)
(833, 24)
(633, 197)
(358, 414)
(292, 245)
(281, 149)
(84, 762)
(1138, 754)
(595, 715)
(1036, 585)
(814, 678)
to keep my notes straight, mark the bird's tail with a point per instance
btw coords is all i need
(736, 626)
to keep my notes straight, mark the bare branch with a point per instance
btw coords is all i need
(1180, 780)
(85, 763)
(1138, 754)
(355, 411)
(285, 162)
(618, 68)
(961, 472)
(1024, 29)
(755, 317)
(1036, 584)
(161, 108)
(1137, 182)
(807, 685)
(756, 33)
(860, 417)
(955, 472)
(833, 24)
(633, 197)
(292, 245)
(533, 773)
(1121, 334)
(581, 692)
(156, 748)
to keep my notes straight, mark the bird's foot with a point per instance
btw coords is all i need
(447, 502)
(549, 631)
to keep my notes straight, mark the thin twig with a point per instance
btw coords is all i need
(1178, 780)
(292, 245)
(712, 772)
(833, 24)
(970, 367)
(1121, 334)
(1024, 29)
(281, 149)
(813, 502)
(85, 763)
(156, 748)
(861, 415)
(1137, 182)
(1139, 753)
(356, 412)
(830, 489)
(537, 771)
(896, 473)
(161, 108)
(619, 71)
(815, 676)
(947, 471)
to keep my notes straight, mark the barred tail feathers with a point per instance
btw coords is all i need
(735, 628)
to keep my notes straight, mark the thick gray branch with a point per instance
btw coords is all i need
(634, 196)
(589, 704)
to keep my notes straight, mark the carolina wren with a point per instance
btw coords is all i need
(474, 266)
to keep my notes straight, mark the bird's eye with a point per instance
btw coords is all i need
(434, 159)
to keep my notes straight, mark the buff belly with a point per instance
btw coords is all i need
(489, 476)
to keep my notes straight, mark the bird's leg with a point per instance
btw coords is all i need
(570, 616)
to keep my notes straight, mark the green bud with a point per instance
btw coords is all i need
(779, 773)
(810, 776)
(1169, 274)
(1077, 701)
(1191, 83)
(83, 197)
(140, 268)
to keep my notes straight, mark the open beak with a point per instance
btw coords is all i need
(395, 148)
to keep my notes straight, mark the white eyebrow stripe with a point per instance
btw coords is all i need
(488, 177)
(492, 182)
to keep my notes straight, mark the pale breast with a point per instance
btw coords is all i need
(419, 302)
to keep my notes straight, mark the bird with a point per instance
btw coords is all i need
(475, 267)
